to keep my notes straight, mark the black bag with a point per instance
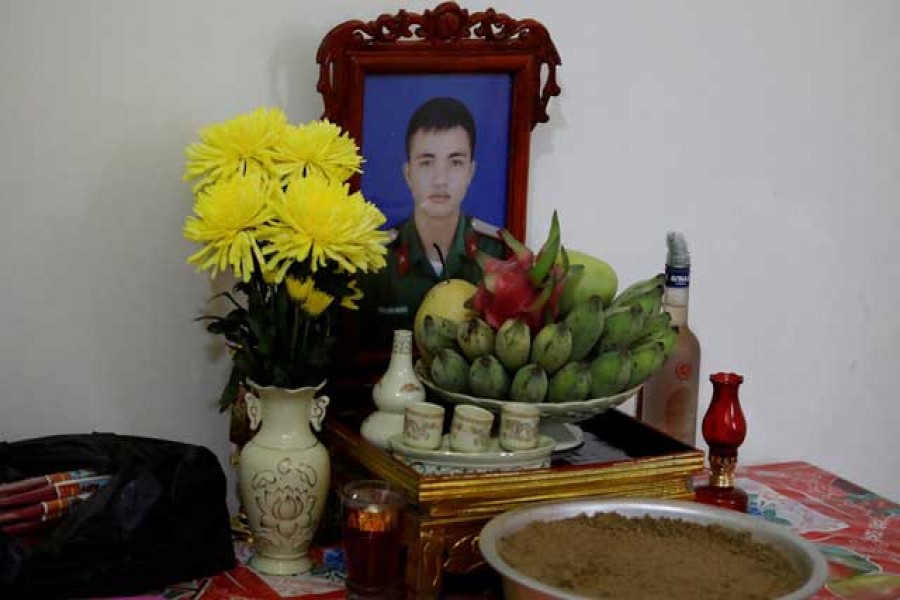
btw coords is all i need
(162, 518)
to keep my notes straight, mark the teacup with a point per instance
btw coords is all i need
(423, 425)
(471, 428)
(519, 426)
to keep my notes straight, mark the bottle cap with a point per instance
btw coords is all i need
(678, 255)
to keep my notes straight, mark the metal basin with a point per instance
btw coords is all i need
(516, 586)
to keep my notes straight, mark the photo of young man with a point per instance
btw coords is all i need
(438, 240)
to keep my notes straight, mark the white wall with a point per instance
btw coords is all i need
(769, 132)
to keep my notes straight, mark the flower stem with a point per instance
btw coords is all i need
(305, 333)
(294, 333)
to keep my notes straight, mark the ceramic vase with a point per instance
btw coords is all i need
(393, 392)
(283, 475)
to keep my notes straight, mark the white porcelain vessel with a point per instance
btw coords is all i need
(284, 474)
(397, 388)
(423, 425)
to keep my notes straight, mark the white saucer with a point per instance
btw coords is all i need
(566, 435)
(444, 461)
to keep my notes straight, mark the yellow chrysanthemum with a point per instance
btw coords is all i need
(350, 301)
(227, 215)
(304, 293)
(268, 274)
(317, 147)
(243, 145)
(317, 219)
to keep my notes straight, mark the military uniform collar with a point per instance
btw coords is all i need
(409, 238)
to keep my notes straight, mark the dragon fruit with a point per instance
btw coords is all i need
(524, 286)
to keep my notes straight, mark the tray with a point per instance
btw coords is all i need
(619, 455)
(561, 412)
(445, 461)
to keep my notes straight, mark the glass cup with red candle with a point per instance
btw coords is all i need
(371, 533)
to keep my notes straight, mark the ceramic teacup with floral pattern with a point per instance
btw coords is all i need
(519, 426)
(471, 428)
(423, 425)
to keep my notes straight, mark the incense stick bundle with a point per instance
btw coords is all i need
(65, 489)
(31, 526)
(42, 510)
(15, 487)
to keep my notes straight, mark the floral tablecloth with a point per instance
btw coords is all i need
(856, 530)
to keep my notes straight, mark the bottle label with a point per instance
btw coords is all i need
(683, 371)
(678, 277)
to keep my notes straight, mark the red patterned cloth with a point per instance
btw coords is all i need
(243, 583)
(857, 531)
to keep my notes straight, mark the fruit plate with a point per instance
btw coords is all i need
(445, 461)
(562, 412)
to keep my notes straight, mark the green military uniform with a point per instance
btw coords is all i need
(392, 296)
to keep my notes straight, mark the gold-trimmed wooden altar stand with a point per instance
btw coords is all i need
(442, 526)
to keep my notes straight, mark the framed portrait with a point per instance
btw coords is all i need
(381, 80)
(389, 103)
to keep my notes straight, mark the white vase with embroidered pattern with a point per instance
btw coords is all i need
(284, 474)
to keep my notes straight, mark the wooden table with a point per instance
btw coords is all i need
(857, 530)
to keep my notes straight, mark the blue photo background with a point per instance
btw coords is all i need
(388, 103)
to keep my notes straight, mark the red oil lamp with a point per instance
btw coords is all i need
(724, 429)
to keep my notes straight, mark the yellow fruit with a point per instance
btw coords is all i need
(446, 299)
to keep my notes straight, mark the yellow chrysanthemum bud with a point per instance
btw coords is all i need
(313, 301)
(355, 295)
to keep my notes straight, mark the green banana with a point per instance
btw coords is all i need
(572, 383)
(638, 288)
(552, 347)
(529, 384)
(488, 378)
(623, 325)
(649, 300)
(437, 333)
(512, 344)
(547, 255)
(645, 360)
(475, 338)
(659, 321)
(659, 329)
(610, 373)
(586, 321)
(450, 371)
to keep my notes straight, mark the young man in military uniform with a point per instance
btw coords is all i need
(438, 241)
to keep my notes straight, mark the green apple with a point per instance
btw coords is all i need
(597, 277)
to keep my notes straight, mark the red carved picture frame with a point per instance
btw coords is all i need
(446, 39)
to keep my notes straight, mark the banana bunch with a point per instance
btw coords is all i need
(591, 352)
(637, 339)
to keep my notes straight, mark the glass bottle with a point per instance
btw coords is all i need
(724, 429)
(668, 400)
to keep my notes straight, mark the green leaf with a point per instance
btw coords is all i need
(230, 297)
(230, 391)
